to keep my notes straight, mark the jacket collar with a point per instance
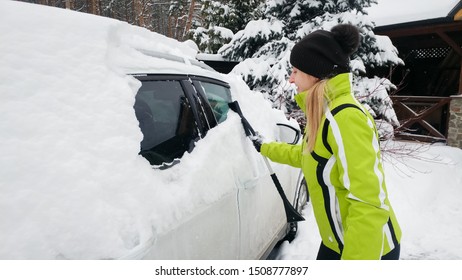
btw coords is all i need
(337, 86)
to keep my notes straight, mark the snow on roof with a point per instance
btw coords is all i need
(388, 12)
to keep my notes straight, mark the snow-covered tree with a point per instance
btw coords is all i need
(220, 20)
(264, 47)
(232, 14)
(210, 40)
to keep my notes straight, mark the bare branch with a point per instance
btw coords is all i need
(399, 153)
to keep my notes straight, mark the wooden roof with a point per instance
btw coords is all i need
(429, 38)
(432, 33)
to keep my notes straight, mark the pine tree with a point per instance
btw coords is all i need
(209, 33)
(264, 45)
(243, 12)
(220, 20)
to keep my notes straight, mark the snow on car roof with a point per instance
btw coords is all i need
(71, 179)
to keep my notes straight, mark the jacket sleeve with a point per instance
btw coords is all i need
(283, 153)
(354, 142)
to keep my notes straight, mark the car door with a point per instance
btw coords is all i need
(172, 121)
(261, 213)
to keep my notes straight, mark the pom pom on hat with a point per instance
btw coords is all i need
(324, 54)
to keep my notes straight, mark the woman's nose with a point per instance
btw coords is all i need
(291, 79)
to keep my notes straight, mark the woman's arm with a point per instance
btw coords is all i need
(283, 153)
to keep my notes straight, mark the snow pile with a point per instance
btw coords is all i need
(71, 182)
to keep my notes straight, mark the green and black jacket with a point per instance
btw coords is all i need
(345, 176)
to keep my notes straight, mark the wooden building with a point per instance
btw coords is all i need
(428, 101)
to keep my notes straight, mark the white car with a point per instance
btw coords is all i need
(177, 110)
(117, 144)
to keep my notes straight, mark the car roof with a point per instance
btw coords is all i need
(177, 65)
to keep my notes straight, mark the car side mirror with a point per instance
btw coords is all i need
(288, 134)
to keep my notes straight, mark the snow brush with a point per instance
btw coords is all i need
(291, 214)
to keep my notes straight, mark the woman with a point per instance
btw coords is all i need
(340, 155)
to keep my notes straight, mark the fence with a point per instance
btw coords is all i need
(422, 118)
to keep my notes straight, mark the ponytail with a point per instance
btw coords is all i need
(316, 101)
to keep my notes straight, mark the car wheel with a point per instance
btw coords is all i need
(303, 196)
(302, 199)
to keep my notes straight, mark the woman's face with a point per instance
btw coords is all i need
(302, 80)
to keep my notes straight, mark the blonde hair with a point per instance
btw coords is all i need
(316, 101)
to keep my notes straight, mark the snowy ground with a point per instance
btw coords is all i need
(425, 187)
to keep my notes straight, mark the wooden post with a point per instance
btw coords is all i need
(458, 50)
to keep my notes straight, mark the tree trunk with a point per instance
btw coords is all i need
(190, 17)
(70, 4)
(171, 26)
(93, 6)
(138, 10)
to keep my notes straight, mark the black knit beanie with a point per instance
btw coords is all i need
(325, 54)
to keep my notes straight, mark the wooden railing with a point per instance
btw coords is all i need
(422, 118)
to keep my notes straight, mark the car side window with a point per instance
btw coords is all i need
(166, 120)
(218, 97)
